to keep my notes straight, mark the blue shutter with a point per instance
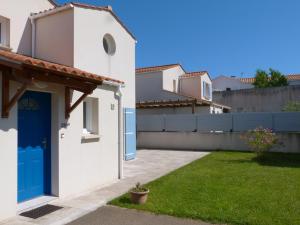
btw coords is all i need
(130, 133)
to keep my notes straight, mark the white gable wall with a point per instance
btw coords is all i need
(89, 28)
(20, 27)
(221, 83)
(171, 74)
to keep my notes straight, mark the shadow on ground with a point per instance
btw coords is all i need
(287, 160)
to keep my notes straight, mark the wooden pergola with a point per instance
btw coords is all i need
(26, 70)
(178, 104)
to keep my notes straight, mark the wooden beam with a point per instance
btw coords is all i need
(84, 95)
(75, 84)
(16, 97)
(193, 107)
(67, 102)
(7, 104)
(70, 108)
(5, 93)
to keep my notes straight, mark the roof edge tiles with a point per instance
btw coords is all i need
(151, 69)
(289, 77)
(22, 60)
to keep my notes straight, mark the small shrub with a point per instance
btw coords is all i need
(260, 140)
(139, 188)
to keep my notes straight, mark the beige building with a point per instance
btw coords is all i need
(169, 89)
(67, 79)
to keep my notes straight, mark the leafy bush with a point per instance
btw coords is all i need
(292, 107)
(139, 188)
(260, 140)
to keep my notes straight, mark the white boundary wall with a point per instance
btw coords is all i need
(290, 142)
(234, 122)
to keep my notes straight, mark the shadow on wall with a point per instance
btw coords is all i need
(25, 42)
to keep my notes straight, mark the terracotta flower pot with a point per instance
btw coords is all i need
(139, 197)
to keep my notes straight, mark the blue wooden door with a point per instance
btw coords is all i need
(34, 150)
(130, 134)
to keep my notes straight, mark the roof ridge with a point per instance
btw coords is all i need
(89, 6)
(166, 65)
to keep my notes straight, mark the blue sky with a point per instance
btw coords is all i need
(229, 37)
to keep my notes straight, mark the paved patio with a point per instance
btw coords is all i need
(109, 215)
(149, 165)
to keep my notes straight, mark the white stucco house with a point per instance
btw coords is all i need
(67, 79)
(226, 83)
(169, 89)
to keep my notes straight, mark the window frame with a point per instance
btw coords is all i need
(90, 117)
(4, 32)
(207, 92)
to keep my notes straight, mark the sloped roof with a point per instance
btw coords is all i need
(81, 5)
(290, 77)
(194, 74)
(7, 57)
(156, 68)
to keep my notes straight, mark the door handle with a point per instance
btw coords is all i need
(44, 142)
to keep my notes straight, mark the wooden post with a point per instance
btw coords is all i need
(5, 93)
(193, 107)
(67, 102)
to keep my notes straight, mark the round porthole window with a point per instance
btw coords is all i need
(109, 44)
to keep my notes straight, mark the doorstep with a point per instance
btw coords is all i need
(34, 203)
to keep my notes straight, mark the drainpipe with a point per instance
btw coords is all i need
(120, 123)
(33, 37)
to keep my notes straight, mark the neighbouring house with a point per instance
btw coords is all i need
(169, 89)
(225, 83)
(67, 78)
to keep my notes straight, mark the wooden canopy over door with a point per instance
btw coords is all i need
(26, 71)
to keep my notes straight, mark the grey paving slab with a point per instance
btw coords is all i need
(148, 165)
(109, 215)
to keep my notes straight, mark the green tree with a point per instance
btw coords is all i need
(274, 78)
(277, 79)
(261, 79)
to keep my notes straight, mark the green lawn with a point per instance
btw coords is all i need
(229, 187)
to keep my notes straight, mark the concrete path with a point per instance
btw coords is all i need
(149, 165)
(109, 215)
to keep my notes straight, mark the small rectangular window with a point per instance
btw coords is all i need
(174, 86)
(206, 90)
(4, 32)
(90, 116)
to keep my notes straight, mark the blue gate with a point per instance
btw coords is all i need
(34, 150)
(130, 133)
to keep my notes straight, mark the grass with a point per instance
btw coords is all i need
(229, 187)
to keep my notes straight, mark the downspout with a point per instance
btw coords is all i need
(33, 37)
(119, 94)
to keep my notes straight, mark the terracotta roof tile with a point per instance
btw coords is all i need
(156, 68)
(293, 77)
(52, 67)
(250, 80)
(194, 74)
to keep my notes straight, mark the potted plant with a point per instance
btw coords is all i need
(139, 194)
